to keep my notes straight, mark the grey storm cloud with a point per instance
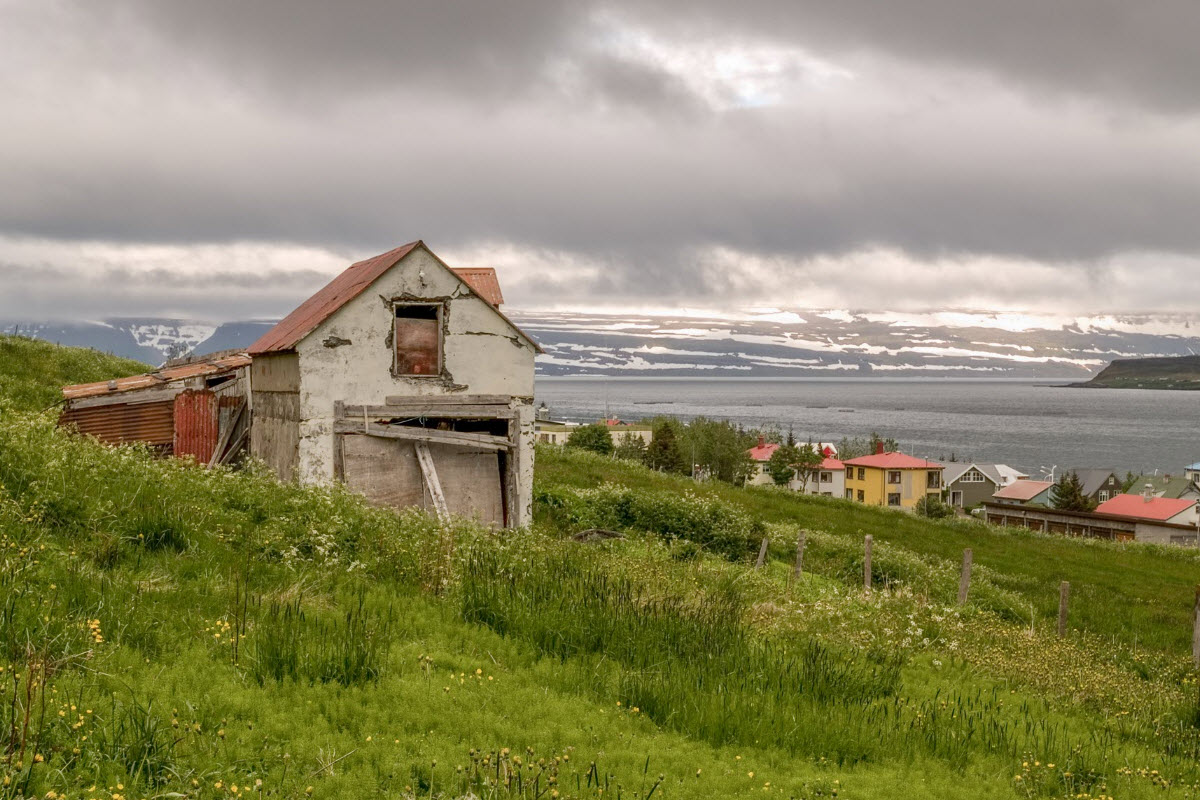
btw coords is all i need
(633, 140)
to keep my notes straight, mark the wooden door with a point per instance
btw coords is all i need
(387, 473)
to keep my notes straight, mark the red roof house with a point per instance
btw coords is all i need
(1158, 509)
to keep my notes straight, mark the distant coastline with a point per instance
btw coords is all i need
(1178, 373)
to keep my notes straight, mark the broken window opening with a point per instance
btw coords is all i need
(418, 339)
(494, 427)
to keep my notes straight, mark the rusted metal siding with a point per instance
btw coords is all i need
(151, 423)
(196, 424)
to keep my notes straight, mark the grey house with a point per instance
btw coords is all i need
(1099, 484)
(969, 484)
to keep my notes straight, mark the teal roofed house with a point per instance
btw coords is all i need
(1192, 473)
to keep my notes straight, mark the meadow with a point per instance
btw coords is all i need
(171, 631)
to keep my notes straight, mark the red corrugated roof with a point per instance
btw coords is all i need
(762, 452)
(157, 378)
(832, 464)
(1022, 490)
(483, 280)
(892, 461)
(1134, 505)
(288, 332)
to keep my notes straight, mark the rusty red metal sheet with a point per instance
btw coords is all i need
(196, 424)
(151, 423)
(288, 332)
(157, 378)
(483, 281)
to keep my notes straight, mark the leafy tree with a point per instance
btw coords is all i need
(933, 507)
(858, 446)
(663, 453)
(631, 448)
(1067, 494)
(779, 467)
(593, 437)
(791, 437)
(807, 463)
(719, 448)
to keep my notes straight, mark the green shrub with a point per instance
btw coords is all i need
(710, 523)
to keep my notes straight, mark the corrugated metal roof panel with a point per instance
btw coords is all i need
(196, 424)
(288, 332)
(484, 281)
(152, 423)
(158, 377)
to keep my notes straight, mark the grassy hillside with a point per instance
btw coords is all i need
(170, 631)
(33, 371)
(1168, 372)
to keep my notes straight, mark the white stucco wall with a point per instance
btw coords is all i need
(835, 488)
(483, 354)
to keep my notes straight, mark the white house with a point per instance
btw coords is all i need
(828, 480)
(402, 378)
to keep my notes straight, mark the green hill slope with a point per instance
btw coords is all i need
(1170, 372)
(171, 631)
(33, 371)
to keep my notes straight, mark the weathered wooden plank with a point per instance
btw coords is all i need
(1064, 591)
(155, 394)
(225, 434)
(431, 410)
(448, 399)
(425, 459)
(462, 438)
(964, 578)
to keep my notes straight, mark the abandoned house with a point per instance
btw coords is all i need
(403, 379)
(191, 407)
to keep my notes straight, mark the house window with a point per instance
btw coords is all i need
(862, 497)
(894, 476)
(862, 474)
(418, 339)
(933, 480)
(826, 477)
(894, 499)
(972, 477)
(849, 494)
(1103, 495)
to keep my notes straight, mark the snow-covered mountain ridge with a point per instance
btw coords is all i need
(769, 342)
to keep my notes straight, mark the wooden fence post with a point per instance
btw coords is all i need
(1196, 629)
(1064, 591)
(867, 563)
(799, 568)
(762, 554)
(964, 581)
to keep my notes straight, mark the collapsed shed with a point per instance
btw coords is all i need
(191, 407)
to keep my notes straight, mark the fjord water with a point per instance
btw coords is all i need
(1029, 425)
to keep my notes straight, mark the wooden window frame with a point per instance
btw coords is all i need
(441, 309)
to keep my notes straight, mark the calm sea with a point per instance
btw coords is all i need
(1027, 425)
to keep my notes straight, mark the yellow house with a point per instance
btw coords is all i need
(892, 479)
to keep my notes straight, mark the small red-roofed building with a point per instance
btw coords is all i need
(827, 480)
(1148, 507)
(892, 479)
(1025, 492)
(761, 454)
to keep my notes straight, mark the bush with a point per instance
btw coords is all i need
(932, 506)
(711, 523)
(592, 437)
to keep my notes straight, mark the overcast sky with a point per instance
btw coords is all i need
(223, 159)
